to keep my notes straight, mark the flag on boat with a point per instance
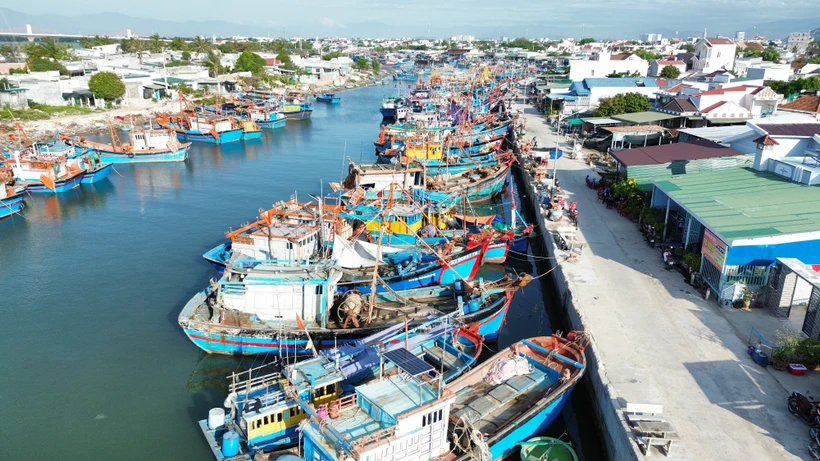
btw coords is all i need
(301, 324)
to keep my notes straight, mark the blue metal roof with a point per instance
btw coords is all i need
(397, 395)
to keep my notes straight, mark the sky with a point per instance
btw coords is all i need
(482, 18)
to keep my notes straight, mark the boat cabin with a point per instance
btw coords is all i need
(151, 139)
(380, 177)
(205, 125)
(275, 241)
(279, 293)
(398, 417)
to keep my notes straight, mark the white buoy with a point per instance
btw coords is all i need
(216, 418)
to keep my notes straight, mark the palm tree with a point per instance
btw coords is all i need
(155, 43)
(47, 48)
(138, 47)
(200, 46)
(10, 52)
(212, 62)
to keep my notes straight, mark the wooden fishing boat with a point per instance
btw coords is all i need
(11, 197)
(296, 107)
(144, 146)
(190, 125)
(55, 175)
(514, 395)
(446, 348)
(260, 311)
(328, 98)
(476, 185)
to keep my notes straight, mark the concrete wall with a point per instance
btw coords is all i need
(618, 443)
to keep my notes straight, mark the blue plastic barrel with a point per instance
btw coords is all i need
(458, 287)
(475, 305)
(230, 444)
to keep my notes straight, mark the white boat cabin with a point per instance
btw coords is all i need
(206, 125)
(278, 293)
(151, 139)
(397, 418)
(281, 241)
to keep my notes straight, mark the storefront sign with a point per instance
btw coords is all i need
(714, 249)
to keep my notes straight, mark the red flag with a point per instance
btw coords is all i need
(300, 323)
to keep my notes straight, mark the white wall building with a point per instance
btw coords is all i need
(714, 53)
(769, 71)
(579, 70)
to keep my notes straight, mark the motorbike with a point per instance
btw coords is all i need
(573, 216)
(648, 234)
(669, 259)
(802, 406)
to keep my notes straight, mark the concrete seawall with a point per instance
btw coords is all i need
(617, 442)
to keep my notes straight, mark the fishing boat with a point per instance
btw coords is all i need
(296, 107)
(55, 175)
(514, 395)
(547, 449)
(400, 416)
(395, 108)
(145, 146)
(11, 198)
(328, 98)
(476, 185)
(208, 129)
(266, 118)
(250, 130)
(325, 378)
(62, 148)
(260, 310)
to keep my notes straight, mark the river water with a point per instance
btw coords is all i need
(93, 364)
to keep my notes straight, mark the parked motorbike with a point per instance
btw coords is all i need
(573, 216)
(802, 406)
(669, 259)
(648, 234)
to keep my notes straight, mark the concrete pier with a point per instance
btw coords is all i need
(657, 341)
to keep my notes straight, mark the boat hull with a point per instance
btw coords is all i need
(251, 135)
(298, 115)
(101, 173)
(271, 124)
(10, 206)
(178, 155)
(291, 341)
(497, 252)
(225, 137)
(63, 185)
(535, 425)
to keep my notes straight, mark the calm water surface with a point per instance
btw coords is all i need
(93, 364)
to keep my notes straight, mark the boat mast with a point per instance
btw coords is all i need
(384, 214)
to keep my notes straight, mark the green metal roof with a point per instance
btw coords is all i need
(742, 203)
(171, 80)
(575, 121)
(644, 117)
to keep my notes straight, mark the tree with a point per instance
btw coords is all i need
(670, 72)
(633, 74)
(584, 41)
(287, 63)
(186, 55)
(213, 62)
(178, 44)
(45, 65)
(250, 62)
(770, 54)
(362, 65)
(624, 103)
(688, 47)
(138, 46)
(155, 43)
(376, 66)
(106, 85)
(10, 52)
(648, 55)
(48, 48)
(200, 46)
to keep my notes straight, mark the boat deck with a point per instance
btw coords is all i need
(490, 407)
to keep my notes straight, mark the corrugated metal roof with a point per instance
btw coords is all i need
(644, 117)
(601, 121)
(645, 175)
(717, 133)
(790, 129)
(745, 203)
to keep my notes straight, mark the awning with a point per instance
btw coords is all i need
(564, 96)
(154, 87)
(644, 117)
(601, 121)
(575, 121)
(723, 121)
(484, 220)
(639, 139)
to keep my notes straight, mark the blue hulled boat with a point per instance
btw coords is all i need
(11, 199)
(515, 395)
(145, 146)
(328, 98)
(212, 130)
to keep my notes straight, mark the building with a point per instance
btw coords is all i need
(808, 104)
(742, 220)
(714, 53)
(790, 150)
(656, 163)
(657, 65)
(769, 71)
(727, 105)
(740, 36)
(798, 41)
(651, 38)
(607, 64)
(14, 98)
(587, 94)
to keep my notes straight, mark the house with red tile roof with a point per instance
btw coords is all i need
(808, 104)
(714, 53)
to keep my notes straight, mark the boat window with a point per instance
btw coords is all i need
(278, 417)
(319, 392)
(440, 415)
(291, 412)
(266, 420)
(424, 421)
(319, 289)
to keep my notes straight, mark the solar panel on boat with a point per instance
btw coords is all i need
(408, 362)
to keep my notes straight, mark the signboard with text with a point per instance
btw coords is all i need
(714, 249)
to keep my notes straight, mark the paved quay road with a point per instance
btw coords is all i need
(661, 343)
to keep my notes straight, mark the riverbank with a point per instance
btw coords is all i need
(656, 341)
(141, 110)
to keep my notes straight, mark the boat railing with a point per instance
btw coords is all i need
(376, 438)
(347, 401)
(244, 381)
